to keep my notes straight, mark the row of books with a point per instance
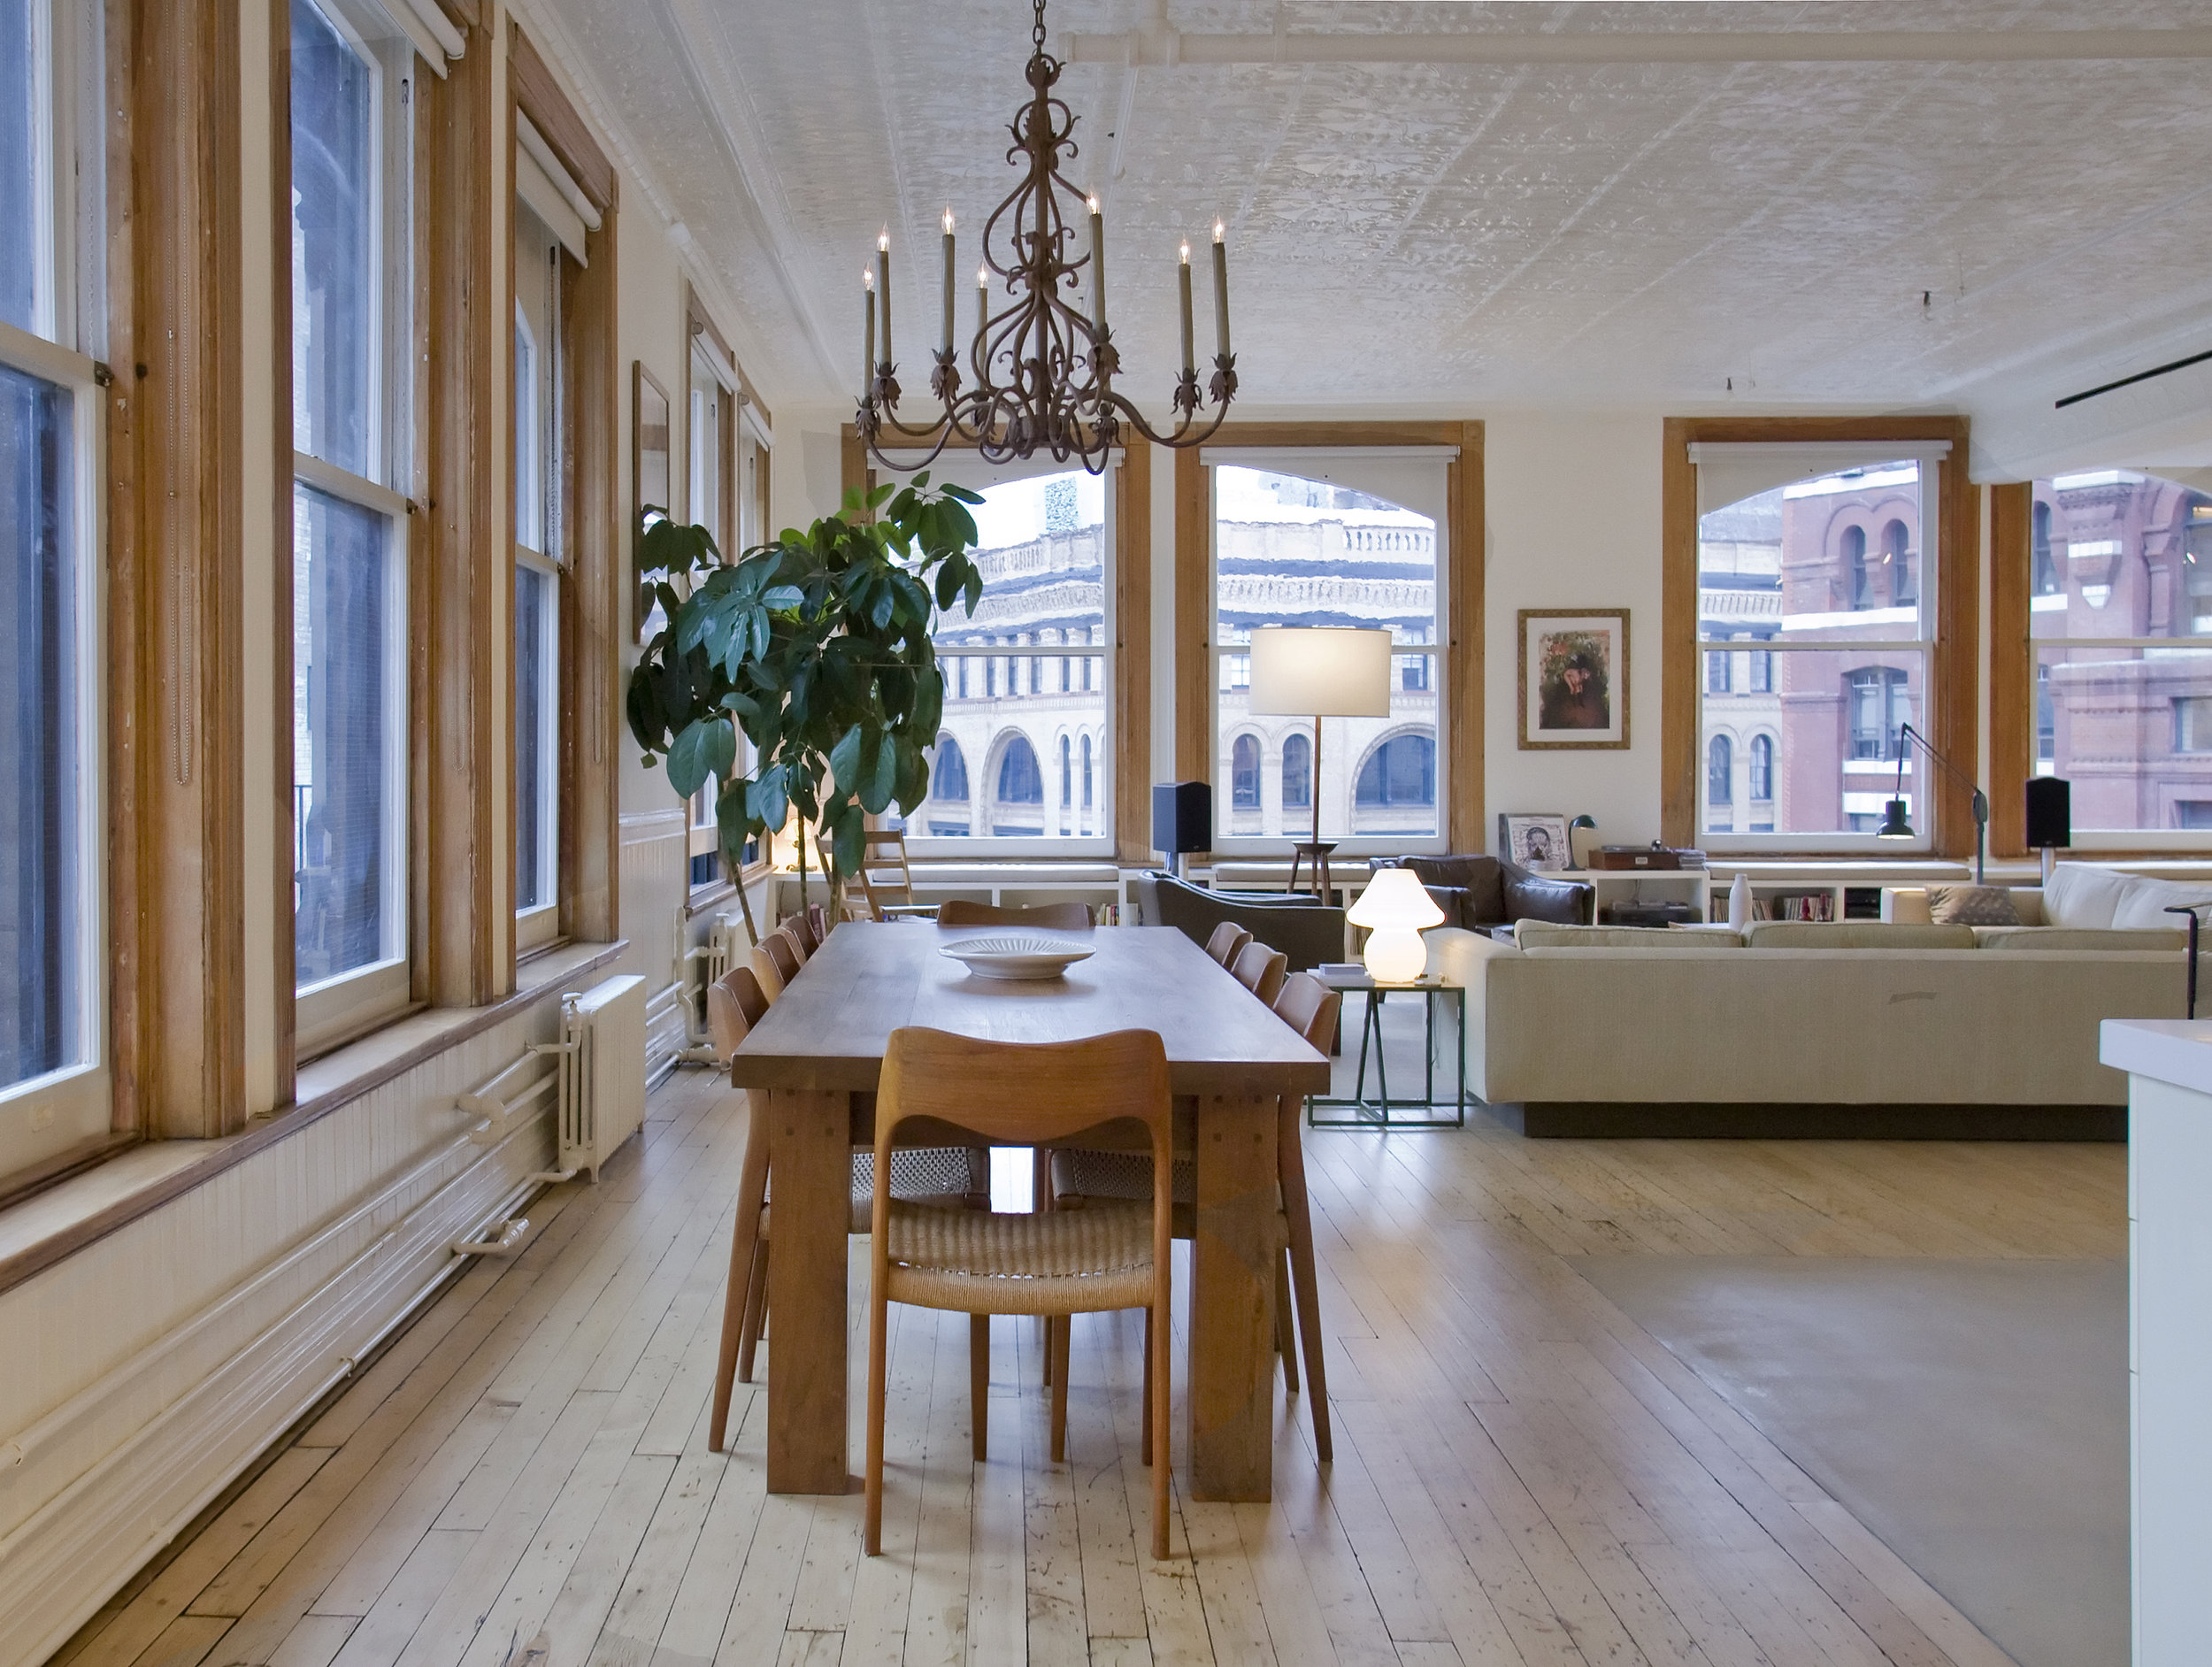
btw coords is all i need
(1811, 905)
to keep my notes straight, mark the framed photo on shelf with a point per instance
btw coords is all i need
(1574, 678)
(650, 481)
(1535, 841)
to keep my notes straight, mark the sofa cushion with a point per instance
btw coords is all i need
(2079, 938)
(2144, 901)
(2083, 895)
(1542, 934)
(1480, 877)
(1971, 906)
(1855, 934)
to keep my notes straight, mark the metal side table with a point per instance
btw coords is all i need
(1380, 1113)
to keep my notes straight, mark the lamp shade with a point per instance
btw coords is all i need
(1395, 898)
(1320, 672)
(1896, 825)
(1395, 907)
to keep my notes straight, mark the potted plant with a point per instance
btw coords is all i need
(817, 646)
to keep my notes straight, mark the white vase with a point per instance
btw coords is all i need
(1739, 904)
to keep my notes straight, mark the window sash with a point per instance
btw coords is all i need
(78, 1092)
(538, 923)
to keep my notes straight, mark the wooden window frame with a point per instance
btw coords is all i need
(1129, 697)
(1953, 652)
(1461, 656)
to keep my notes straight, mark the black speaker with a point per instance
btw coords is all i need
(2050, 812)
(1182, 817)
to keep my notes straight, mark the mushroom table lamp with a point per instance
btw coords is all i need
(1394, 908)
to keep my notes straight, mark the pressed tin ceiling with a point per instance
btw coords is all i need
(1959, 231)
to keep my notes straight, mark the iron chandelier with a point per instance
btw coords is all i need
(1044, 373)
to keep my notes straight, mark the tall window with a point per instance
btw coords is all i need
(351, 288)
(538, 428)
(2120, 620)
(1297, 773)
(1244, 773)
(1025, 674)
(53, 1084)
(1823, 568)
(1324, 539)
(710, 430)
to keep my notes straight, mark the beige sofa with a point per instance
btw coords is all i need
(1867, 1029)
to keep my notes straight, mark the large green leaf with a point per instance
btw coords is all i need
(879, 778)
(707, 747)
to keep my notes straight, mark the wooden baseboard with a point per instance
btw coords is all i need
(1759, 1120)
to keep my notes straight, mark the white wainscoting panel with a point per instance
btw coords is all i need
(146, 1371)
(655, 884)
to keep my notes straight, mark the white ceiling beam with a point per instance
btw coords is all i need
(1155, 47)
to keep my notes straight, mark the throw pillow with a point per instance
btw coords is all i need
(1971, 906)
(2083, 895)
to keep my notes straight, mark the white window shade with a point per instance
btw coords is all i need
(541, 182)
(434, 39)
(1413, 477)
(1731, 471)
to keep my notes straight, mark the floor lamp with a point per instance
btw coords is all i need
(1318, 671)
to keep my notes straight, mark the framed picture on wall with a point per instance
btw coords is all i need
(1574, 678)
(649, 485)
(1537, 842)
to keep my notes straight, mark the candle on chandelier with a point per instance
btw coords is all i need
(868, 306)
(982, 299)
(949, 280)
(1098, 265)
(1190, 363)
(1221, 293)
(883, 288)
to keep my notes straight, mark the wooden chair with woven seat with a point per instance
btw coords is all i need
(1060, 917)
(1261, 970)
(1228, 942)
(809, 926)
(1054, 1263)
(1082, 1178)
(947, 1177)
(765, 972)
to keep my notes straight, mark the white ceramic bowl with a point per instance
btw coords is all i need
(1017, 957)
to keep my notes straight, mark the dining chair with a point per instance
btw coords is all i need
(1083, 1177)
(946, 1177)
(1060, 917)
(1057, 1265)
(1261, 970)
(783, 950)
(806, 928)
(765, 971)
(1228, 941)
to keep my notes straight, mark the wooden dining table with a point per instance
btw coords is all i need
(818, 1054)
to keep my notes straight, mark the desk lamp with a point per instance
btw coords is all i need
(1896, 826)
(1394, 908)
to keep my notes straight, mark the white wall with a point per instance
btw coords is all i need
(1573, 506)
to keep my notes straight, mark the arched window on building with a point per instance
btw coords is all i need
(1244, 773)
(1297, 773)
(1762, 768)
(1086, 778)
(1067, 781)
(1400, 771)
(2045, 568)
(1858, 581)
(1720, 780)
(1020, 808)
(1877, 710)
(949, 781)
(1897, 561)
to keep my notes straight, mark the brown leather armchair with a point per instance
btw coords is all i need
(1479, 892)
(1305, 929)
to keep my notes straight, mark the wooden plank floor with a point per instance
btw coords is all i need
(1522, 1476)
